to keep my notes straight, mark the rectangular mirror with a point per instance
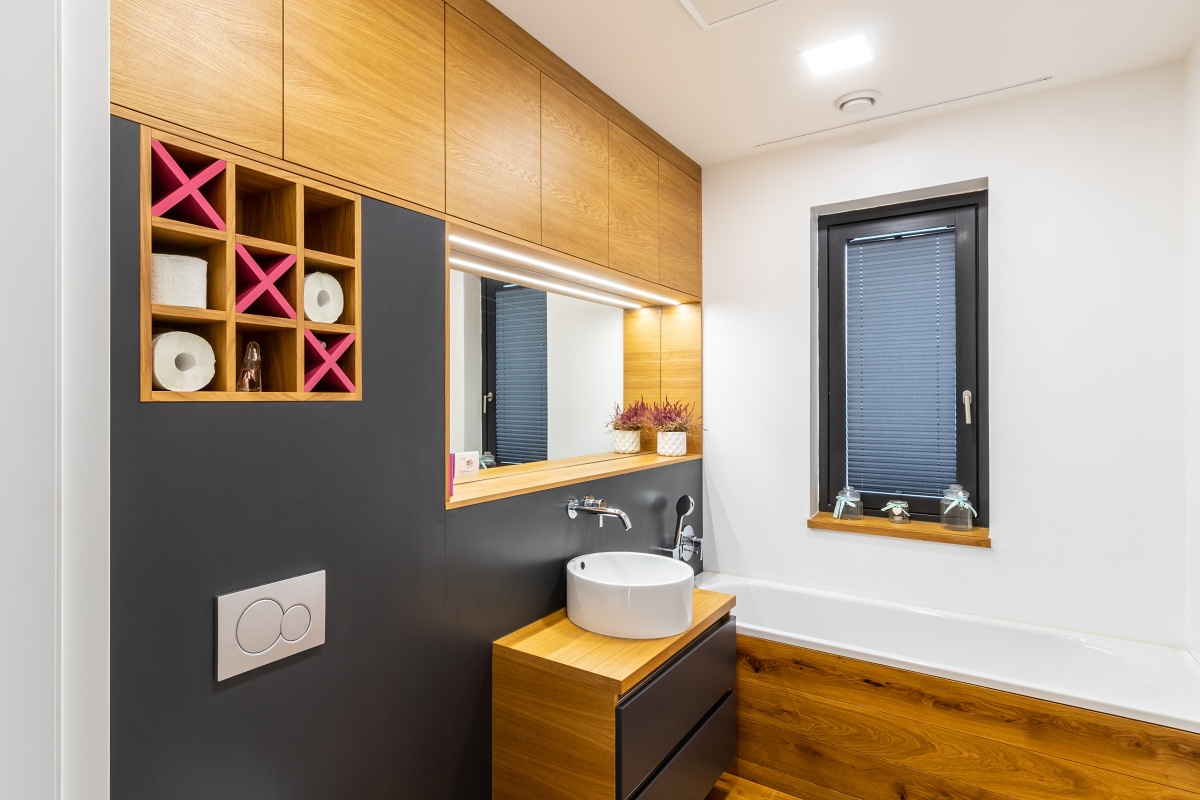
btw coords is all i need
(534, 374)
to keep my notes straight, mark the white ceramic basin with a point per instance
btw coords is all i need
(630, 595)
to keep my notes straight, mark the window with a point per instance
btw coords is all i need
(903, 372)
(514, 330)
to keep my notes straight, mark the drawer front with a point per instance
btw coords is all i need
(653, 720)
(692, 771)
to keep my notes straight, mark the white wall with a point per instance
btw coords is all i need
(1191, 297)
(1086, 321)
(585, 368)
(84, 331)
(28, 406)
(466, 364)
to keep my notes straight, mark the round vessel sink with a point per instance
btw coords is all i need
(630, 595)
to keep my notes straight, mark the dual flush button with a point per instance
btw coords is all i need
(261, 625)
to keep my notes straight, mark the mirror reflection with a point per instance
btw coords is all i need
(534, 375)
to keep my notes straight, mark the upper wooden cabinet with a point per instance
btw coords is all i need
(678, 230)
(574, 175)
(493, 132)
(215, 66)
(364, 93)
(633, 205)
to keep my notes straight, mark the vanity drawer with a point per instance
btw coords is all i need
(692, 771)
(654, 719)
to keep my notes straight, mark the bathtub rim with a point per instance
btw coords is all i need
(718, 581)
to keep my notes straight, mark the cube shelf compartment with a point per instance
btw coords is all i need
(345, 273)
(261, 230)
(187, 186)
(329, 361)
(266, 282)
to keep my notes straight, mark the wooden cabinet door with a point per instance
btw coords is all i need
(493, 132)
(633, 205)
(678, 230)
(574, 175)
(364, 93)
(215, 66)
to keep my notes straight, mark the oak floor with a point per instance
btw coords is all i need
(731, 787)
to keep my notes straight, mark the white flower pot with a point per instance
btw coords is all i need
(627, 441)
(672, 443)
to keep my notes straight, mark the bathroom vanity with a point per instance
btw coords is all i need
(587, 717)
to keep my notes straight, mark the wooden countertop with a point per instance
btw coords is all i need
(557, 645)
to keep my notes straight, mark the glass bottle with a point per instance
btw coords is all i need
(897, 512)
(957, 511)
(250, 375)
(849, 504)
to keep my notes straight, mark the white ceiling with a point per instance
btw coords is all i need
(718, 93)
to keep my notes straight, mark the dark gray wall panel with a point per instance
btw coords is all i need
(212, 498)
(506, 568)
(209, 498)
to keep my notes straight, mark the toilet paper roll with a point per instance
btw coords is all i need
(178, 280)
(183, 362)
(323, 298)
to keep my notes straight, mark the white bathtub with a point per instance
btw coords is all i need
(1131, 679)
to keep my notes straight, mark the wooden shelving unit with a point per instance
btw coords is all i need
(261, 230)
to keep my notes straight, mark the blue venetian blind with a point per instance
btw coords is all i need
(521, 418)
(901, 389)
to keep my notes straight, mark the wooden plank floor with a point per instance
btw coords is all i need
(731, 787)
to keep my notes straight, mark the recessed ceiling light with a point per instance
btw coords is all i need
(838, 55)
(858, 102)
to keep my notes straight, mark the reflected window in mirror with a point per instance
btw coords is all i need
(534, 375)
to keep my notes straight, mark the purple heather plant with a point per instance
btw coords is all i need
(633, 418)
(671, 417)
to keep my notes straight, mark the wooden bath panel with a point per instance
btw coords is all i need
(816, 725)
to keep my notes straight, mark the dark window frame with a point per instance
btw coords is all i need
(832, 421)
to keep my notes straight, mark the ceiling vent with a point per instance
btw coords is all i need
(711, 13)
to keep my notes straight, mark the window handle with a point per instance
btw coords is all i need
(486, 399)
(967, 404)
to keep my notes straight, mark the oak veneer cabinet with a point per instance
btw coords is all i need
(633, 205)
(578, 716)
(574, 175)
(679, 230)
(215, 66)
(493, 132)
(364, 93)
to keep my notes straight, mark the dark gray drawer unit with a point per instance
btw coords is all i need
(693, 769)
(675, 722)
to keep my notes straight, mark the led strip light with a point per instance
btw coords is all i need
(526, 280)
(575, 275)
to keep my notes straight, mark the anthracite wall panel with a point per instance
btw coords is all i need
(209, 498)
(506, 568)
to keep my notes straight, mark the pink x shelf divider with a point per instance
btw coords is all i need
(262, 284)
(183, 190)
(327, 368)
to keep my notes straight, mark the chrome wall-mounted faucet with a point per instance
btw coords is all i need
(686, 541)
(590, 505)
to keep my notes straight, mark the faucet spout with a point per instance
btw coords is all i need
(598, 508)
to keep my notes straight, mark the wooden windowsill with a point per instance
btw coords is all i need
(482, 491)
(916, 529)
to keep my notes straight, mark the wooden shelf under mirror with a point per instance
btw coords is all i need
(555, 474)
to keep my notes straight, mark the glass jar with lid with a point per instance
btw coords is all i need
(957, 511)
(849, 504)
(897, 512)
